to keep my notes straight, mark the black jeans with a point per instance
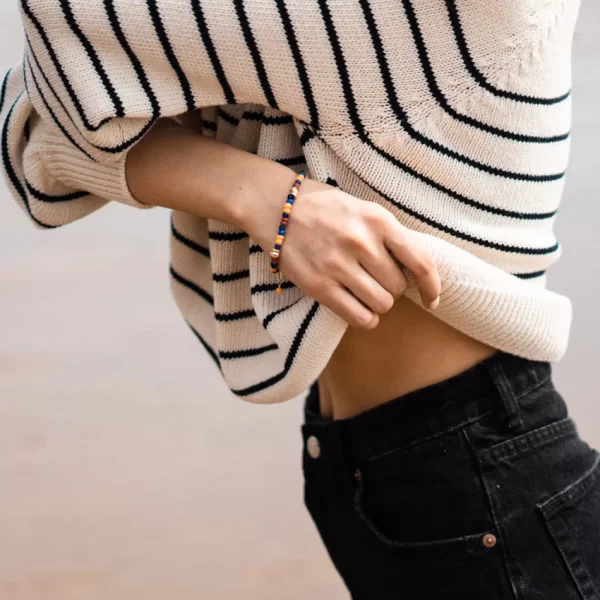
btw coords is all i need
(478, 487)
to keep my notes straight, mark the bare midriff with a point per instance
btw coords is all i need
(408, 350)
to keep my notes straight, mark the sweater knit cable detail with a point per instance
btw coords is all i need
(454, 115)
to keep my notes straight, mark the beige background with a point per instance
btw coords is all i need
(128, 470)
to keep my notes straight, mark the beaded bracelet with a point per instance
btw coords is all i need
(287, 209)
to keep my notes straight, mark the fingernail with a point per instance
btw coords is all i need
(434, 304)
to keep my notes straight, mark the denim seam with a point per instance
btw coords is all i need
(509, 399)
(571, 558)
(428, 438)
(529, 440)
(534, 386)
(573, 492)
(494, 515)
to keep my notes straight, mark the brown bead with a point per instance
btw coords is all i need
(489, 540)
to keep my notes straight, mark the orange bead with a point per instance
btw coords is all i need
(287, 207)
(279, 290)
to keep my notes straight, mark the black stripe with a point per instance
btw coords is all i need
(236, 354)
(208, 348)
(210, 125)
(442, 100)
(189, 243)
(530, 275)
(254, 52)
(270, 287)
(3, 91)
(109, 150)
(229, 277)
(27, 130)
(227, 117)
(292, 161)
(253, 115)
(163, 38)
(254, 248)
(194, 287)
(212, 52)
(135, 62)
(400, 112)
(300, 66)
(289, 361)
(333, 182)
(43, 98)
(354, 116)
(272, 315)
(43, 197)
(8, 168)
(459, 234)
(59, 69)
(478, 76)
(91, 52)
(235, 316)
(307, 135)
(227, 236)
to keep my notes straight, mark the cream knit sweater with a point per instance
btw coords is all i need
(453, 114)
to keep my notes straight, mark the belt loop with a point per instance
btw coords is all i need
(507, 396)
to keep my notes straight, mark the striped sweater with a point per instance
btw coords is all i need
(452, 114)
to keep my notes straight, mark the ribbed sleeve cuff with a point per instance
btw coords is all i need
(70, 166)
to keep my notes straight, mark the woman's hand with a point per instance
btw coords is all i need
(344, 252)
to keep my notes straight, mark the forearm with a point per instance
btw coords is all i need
(178, 168)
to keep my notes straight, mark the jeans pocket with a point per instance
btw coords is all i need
(537, 469)
(572, 518)
(425, 499)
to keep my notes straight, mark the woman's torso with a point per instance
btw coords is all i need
(409, 349)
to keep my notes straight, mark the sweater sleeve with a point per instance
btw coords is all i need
(48, 175)
(97, 74)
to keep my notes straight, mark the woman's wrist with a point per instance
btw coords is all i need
(260, 200)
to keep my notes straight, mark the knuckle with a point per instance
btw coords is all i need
(356, 238)
(375, 215)
(331, 262)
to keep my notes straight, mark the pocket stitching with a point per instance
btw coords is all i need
(573, 492)
(467, 540)
(563, 542)
(529, 440)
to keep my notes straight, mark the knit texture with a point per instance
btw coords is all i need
(452, 114)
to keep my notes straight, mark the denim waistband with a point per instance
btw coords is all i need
(494, 385)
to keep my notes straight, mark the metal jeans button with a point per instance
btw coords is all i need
(313, 447)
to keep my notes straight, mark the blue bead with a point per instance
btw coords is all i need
(281, 230)
(303, 173)
(291, 198)
(277, 246)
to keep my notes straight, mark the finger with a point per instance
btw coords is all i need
(349, 308)
(418, 260)
(366, 289)
(385, 270)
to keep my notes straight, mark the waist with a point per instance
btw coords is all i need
(409, 350)
(496, 385)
